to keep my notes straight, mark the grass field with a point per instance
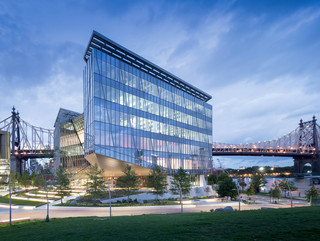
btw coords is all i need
(5, 199)
(276, 224)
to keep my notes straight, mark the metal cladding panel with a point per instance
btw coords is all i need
(113, 167)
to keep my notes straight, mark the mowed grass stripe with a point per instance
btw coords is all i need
(279, 224)
(6, 200)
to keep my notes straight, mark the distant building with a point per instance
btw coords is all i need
(34, 165)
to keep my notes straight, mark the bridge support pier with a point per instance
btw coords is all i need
(299, 163)
(316, 166)
(16, 165)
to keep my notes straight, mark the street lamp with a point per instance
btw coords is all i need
(109, 196)
(238, 194)
(46, 187)
(10, 210)
(180, 197)
(290, 193)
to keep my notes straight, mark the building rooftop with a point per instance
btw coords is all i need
(65, 115)
(105, 44)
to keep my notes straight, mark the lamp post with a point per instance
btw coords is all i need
(109, 196)
(290, 193)
(180, 197)
(238, 194)
(45, 183)
(10, 210)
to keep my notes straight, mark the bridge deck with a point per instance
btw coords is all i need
(250, 153)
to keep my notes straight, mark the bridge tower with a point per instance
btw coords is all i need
(299, 161)
(26, 141)
(15, 161)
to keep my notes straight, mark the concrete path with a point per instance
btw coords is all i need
(28, 212)
(63, 212)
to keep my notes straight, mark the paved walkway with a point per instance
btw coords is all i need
(28, 212)
(193, 206)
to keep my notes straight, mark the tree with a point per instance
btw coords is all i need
(96, 184)
(212, 179)
(286, 185)
(227, 188)
(38, 180)
(13, 180)
(250, 191)
(242, 183)
(63, 183)
(158, 180)
(222, 176)
(129, 182)
(275, 191)
(25, 179)
(18, 179)
(312, 193)
(258, 181)
(181, 183)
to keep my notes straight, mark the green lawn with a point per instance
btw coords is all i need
(5, 199)
(276, 224)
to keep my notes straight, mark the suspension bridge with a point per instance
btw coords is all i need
(302, 144)
(26, 141)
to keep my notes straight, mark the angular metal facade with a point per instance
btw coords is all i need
(133, 115)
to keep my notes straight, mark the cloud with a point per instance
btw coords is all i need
(237, 162)
(251, 111)
(292, 23)
(39, 105)
(258, 60)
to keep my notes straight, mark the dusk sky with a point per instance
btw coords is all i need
(258, 59)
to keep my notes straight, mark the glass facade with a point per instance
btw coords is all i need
(69, 142)
(135, 116)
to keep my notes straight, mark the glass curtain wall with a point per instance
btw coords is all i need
(135, 117)
(71, 145)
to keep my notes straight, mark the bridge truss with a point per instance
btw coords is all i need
(302, 144)
(27, 141)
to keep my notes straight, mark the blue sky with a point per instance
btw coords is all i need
(258, 59)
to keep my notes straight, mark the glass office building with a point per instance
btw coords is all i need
(139, 114)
